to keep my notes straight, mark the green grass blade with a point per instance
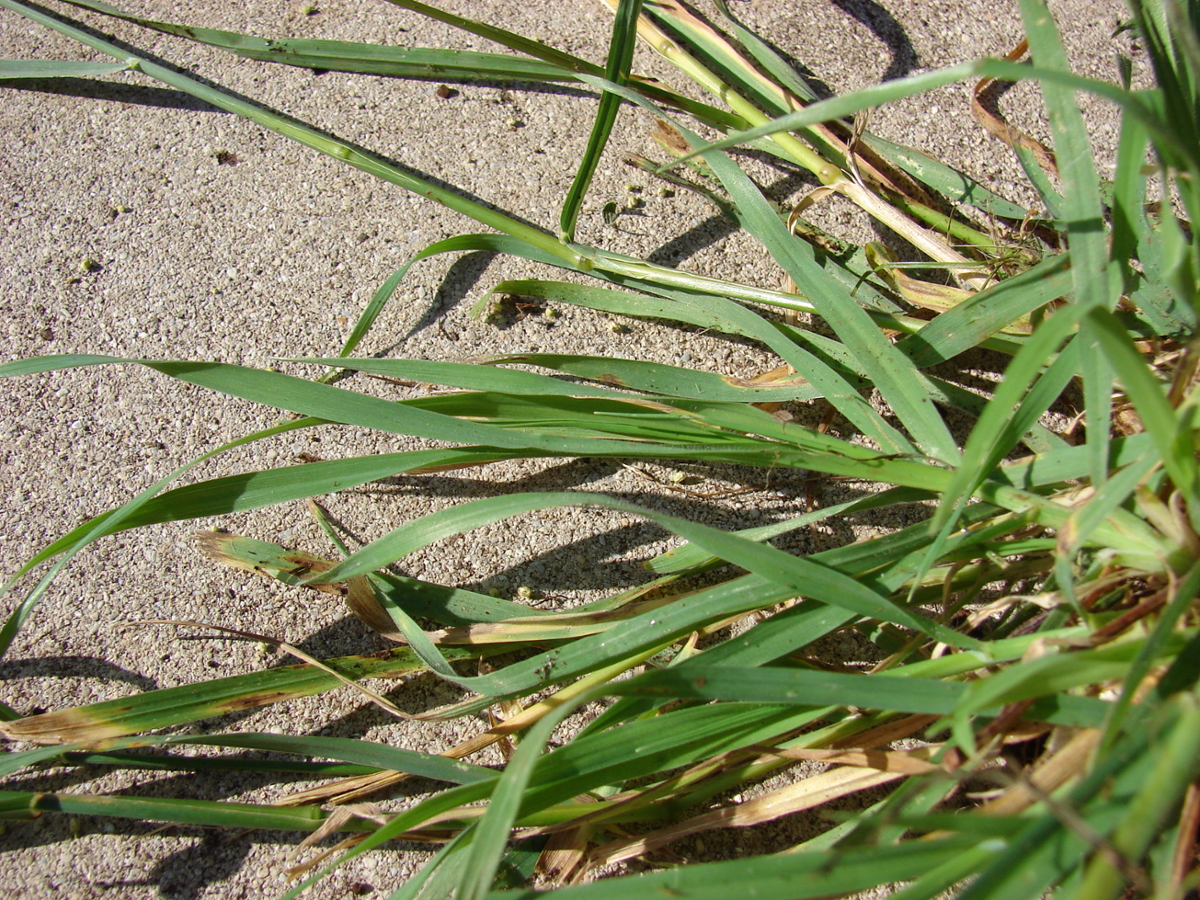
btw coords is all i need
(779, 877)
(11, 762)
(850, 104)
(192, 703)
(956, 185)
(971, 322)
(352, 750)
(493, 243)
(1084, 215)
(333, 404)
(841, 107)
(254, 490)
(171, 762)
(347, 56)
(694, 310)
(888, 370)
(834, 386)
(49, 68)
(492, 832)
(471, 376)
(710, 115)
(620, 57)
(501, 36)
(1016, 405)
(180, 812)
(357, 756)
(1173, 432)
(811, 688)
(690, 556)
(669, 381)
(1051, 199)
(798, 575)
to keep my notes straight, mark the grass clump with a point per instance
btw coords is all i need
(1039, 630)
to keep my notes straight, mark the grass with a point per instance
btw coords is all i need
(1045, 612)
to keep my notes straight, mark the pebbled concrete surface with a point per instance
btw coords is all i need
(140, 222)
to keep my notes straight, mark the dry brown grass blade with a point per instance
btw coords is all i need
(983, 106)
(805, 794)
(563, 855)
(350, 789)
(903, 762)
(1184, 861)
(545, 627)
(331, 825)
(1052, 772)
(356, 592)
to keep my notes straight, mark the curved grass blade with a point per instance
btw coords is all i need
(689, 556)
(333, 404)
(493, 243)
(710, 115)
(254, 490)
(620, 57)
(849, 104)
(956, 185)
(798, 575)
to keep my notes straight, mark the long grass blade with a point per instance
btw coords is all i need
(620, 58)
(169, 707)
(50, 68)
